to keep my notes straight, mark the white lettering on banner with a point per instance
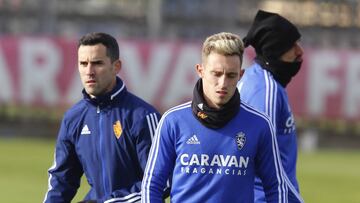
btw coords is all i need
(352, 91)
(320, 83)
(39, 65)
(184, 77)
(162, 73)
(6, 93)
(74, 92)
(146, 81)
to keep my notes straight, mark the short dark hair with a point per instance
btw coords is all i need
(112, 47)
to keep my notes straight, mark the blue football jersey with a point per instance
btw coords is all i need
(259, 89)
(213, 165)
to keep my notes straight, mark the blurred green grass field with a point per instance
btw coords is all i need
(330, 176)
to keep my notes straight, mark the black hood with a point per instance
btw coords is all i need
(271, 35)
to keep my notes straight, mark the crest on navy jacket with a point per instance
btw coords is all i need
(117, 129)
(240, 140)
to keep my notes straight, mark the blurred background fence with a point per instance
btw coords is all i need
(160, 43)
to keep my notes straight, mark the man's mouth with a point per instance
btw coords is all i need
(90, 82)
(222, 93)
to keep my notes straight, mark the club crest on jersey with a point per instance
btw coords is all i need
(240, 140)
(117, 129)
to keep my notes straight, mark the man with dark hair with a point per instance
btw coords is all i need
(278, 59)
(106, 136)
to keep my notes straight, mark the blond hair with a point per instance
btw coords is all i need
(224, 43)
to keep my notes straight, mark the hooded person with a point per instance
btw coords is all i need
(278, 59)
(272, 35)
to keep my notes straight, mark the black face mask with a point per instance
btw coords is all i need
(211, 117)
(282, 71)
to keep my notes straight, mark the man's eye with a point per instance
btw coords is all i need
(97, 62)
(217, 74)
(232, 75)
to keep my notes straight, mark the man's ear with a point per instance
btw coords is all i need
(242, 71)
(199, 70)
(117, 66)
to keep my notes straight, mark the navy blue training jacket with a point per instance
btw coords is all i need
(108, 139)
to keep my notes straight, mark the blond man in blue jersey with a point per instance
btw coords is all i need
(212, 147)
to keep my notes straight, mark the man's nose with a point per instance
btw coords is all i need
(89, 69)
(299, 49)
(223, 81)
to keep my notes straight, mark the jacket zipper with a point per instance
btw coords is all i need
(102, 154)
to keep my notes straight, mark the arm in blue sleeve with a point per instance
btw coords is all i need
(66, 172)
(145, 138)
(269, 169)
(160, 163)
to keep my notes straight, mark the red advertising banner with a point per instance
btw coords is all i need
(328, 85)
(42, 71)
